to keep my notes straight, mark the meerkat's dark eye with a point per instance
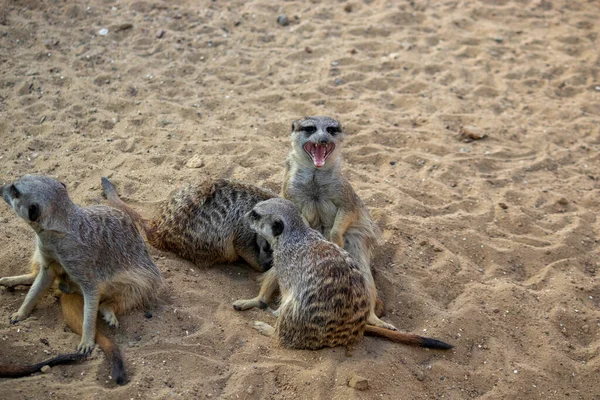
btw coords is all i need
(333, 130)
(14, 192)
(254, 215)
(309, 130)
(277, 228)
(33, 212)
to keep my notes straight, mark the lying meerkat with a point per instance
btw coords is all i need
(326, 300)
(202, 223)
(96, 253)
(313, 181)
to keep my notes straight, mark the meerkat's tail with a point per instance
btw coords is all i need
(110, 192)
(407, 338)
(72, 306)
(16, 371)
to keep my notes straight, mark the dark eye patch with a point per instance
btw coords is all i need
(14, 192)
(277, 228)
(333, 130)
(309, 130)
(33, 212)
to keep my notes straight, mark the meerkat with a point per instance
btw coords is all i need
(326, 301)
(96, 253)
(202, 223)
(313, 181)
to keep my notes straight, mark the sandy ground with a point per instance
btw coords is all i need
(491, 245)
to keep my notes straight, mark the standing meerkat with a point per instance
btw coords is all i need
(96, 253)
(313, 181)
(325, 298)
(203, 222)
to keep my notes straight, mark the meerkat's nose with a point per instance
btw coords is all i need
(323, 141)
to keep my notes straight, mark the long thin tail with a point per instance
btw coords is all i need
(72, 306)
(110, 192)
(16, 371)
(407, 338)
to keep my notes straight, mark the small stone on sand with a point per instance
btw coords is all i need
(358, 382)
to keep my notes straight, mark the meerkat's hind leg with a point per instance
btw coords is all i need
(12, 281)
(109, 315)
(27, 279)
(373, 320)
(268, 287)
(264, 328)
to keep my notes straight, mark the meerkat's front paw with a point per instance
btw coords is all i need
(264, 328)
(86, 347)
(16, 317)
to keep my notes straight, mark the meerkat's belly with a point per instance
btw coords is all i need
(319, 215)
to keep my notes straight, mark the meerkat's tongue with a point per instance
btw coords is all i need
(319, 155)
(319, 152)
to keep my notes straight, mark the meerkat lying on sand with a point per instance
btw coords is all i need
(203, 223)
(313, 181)
(325, 300)
(96, 253)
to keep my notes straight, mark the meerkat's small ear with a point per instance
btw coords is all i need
(294, 123)
(33, 212)
(277, 227)
(62, 183)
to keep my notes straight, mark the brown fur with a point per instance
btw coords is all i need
(95, 254)
(202, 222)
(325, 297)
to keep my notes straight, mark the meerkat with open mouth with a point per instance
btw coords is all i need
(314, 182)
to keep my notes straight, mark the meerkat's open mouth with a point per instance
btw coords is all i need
(319, 152)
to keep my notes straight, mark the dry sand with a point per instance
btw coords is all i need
(490, 245)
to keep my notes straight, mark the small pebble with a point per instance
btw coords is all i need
(348, 8)
(283, 20)
(46, 369)
(103, 32)
(339, 81)
(160, 34)
(499, 39)
(563, 201)
(195, 162)
(585, 328)
(148, 314)
(308, 50)
(358, 382)
(393, 162)
(470, 133)
(503, 206)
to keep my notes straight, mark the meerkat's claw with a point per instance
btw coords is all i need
(264, 328)
(85, 347)
(16, 317)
